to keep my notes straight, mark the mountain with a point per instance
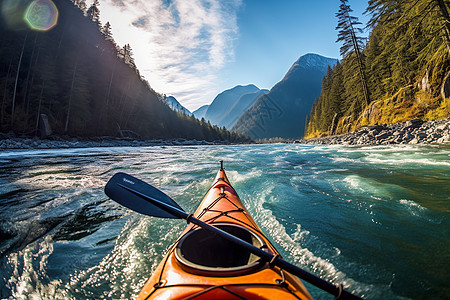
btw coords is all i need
(282, 112)
(225, 100)
(239, 107)
(176, 106)
(200, 112)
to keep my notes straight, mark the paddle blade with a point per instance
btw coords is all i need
(140, 196)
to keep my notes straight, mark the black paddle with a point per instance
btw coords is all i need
(148, 200)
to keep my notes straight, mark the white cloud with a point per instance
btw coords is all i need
(179, 45)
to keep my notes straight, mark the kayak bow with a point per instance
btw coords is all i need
(222, 254)
(203, 265)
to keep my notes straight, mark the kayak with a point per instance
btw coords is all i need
(203, 265)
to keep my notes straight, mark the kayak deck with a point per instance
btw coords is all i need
(201, 265)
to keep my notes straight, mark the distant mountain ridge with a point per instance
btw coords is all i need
(200, 112)
(239, 107)
(225, 100)
(282, 112)
(173, 103)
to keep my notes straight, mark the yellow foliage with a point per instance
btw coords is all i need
(314, 134)
(442, 112)
(405, 105)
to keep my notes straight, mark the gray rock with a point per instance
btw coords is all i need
(416, 123)
(422, 135)
(414, 141)
(382, 135)
(444, 139)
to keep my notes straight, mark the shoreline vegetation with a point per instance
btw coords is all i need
(410, 132)
(414, 131)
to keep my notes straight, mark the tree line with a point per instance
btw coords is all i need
(395, 74)
(84, 82)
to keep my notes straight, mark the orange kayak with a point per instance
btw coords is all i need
(202, 265)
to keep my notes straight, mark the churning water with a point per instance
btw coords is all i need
(374, 218)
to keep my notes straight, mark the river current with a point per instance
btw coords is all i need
(376, 219)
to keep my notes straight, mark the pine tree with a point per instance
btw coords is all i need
(94, 12)
(81, 4)
(106, 30)
(13, 106)
(352, 44)
(126, 54)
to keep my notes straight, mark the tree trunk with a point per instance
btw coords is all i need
(110, 83)
(33, 66)
(17, 79)
(70, 97)
(122, 103)
(60, 41)
(25, 93)
(39, 107)
(2, 112)
(446, 16)
(333, 125)
(360, 63)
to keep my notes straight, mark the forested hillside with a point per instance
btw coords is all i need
(400, 73)
(85, 83)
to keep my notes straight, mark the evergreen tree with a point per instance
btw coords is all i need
(81, 4)
(106, 30)
(94, 12)
(126, 54)
(352, 44)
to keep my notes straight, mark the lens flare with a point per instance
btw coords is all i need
(12, 13)
(41, 15)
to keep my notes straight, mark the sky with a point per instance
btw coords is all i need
(195, 49)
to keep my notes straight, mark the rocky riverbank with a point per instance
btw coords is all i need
(9, 141)
(411, 132)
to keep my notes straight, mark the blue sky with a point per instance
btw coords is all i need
(274, 34)
(195, 49)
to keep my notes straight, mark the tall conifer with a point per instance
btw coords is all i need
(348, 27)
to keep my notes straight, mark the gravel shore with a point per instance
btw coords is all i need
(8, 141)
(411, 132)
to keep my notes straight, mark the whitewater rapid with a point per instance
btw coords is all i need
(374, 218)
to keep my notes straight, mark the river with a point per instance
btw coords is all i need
(376, 219)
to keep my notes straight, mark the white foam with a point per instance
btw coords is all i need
(412, 161)
(367, 186)
(301, 256)
(411, 203)
(414, 208)
(28, 278)
(236, 177)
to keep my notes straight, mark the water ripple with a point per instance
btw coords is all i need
(375, 218)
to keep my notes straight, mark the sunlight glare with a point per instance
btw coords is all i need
(41, 15)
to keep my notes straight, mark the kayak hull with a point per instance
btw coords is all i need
(213, 270)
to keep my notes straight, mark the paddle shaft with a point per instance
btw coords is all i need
(338, 292)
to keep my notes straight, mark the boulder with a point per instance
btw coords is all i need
(414, 141)
(416, 123)
(444, 139)
(383, 135)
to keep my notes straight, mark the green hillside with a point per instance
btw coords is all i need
(400, 73)
(81, 79)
